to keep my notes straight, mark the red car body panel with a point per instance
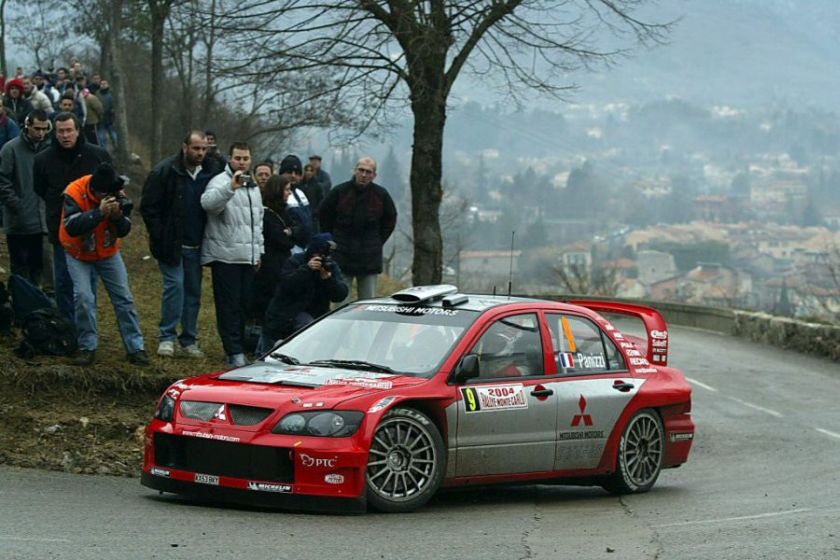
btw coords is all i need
(335, 467)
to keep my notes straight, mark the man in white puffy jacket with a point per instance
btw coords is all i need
(232, 245)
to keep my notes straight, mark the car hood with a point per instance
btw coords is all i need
(262, 384)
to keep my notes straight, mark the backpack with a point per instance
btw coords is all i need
(46, 331)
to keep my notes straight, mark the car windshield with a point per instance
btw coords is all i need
(412, 340)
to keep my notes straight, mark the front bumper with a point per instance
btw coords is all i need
(270, 498)
(323, 474)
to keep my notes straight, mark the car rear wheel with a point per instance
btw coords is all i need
(640, 454)
(406, 461)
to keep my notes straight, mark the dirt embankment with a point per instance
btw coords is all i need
(64, 417)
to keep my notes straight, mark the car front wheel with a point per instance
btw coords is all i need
(406, 461)
(640, 454)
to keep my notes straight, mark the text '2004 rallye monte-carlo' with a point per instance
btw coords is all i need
(384, 401)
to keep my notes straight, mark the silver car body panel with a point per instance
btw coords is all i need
(512, 431)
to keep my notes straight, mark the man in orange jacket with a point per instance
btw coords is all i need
(93, 221)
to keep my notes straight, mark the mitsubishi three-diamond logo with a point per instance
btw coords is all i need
(582, 417)
(220, 414)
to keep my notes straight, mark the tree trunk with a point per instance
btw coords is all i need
(105, 39)
(159, 11)
(3, 39)
(429, 111)
(210, 43)
(118, 85)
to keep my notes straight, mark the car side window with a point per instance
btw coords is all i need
(511, 347)
(580, 347)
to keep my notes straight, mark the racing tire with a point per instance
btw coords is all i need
(640, 454)
(406, 462)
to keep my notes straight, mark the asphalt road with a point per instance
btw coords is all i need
(763, 482)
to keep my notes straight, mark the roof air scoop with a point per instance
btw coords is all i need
(420, 294)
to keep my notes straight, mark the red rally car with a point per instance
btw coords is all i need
(384, 401)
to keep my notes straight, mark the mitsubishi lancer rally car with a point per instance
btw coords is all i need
(382, 402)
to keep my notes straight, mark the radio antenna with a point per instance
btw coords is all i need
(510, 272)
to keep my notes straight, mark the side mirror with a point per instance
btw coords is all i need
(466, 369)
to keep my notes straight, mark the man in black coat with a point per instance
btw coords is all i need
(171, 208)
(361, 215)
(67, 159)
(309, 281)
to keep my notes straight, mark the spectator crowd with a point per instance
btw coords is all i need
(282, 243)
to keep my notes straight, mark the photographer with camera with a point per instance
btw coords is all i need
(232, 246)
(68, 158)
(95, 218)
(309, 281)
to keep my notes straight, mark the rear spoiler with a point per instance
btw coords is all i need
(655, 325)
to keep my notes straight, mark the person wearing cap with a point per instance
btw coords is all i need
(309, 282)
(320, 175)
(362, 216)
(92, 227)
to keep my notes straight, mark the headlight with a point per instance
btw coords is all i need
(166, 409)
(325, 423)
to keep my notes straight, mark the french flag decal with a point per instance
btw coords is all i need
(567, 359)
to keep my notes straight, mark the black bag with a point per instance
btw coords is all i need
(26, 297)
(46, 331)
(5, 312)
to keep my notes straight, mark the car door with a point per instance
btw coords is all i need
(506, 417)
(593, 389)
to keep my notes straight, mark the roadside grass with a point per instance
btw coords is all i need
(61, 416)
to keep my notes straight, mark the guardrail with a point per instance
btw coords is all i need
(782, 332)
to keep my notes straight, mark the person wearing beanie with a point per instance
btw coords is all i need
(309, 282)
(17, 107)
(362, 216)
(94, 221)
(299, 205)
(67, 159)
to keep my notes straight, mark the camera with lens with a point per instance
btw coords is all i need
(245, 180)
(325, 254)
(126, 204)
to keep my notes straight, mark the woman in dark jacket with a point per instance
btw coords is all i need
(281, 232)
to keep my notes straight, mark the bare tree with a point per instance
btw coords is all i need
(37, 25)
(103, 21)
(412, 53)
(580, 279)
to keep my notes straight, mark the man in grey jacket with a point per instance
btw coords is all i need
(232, 246)
(23, 209)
